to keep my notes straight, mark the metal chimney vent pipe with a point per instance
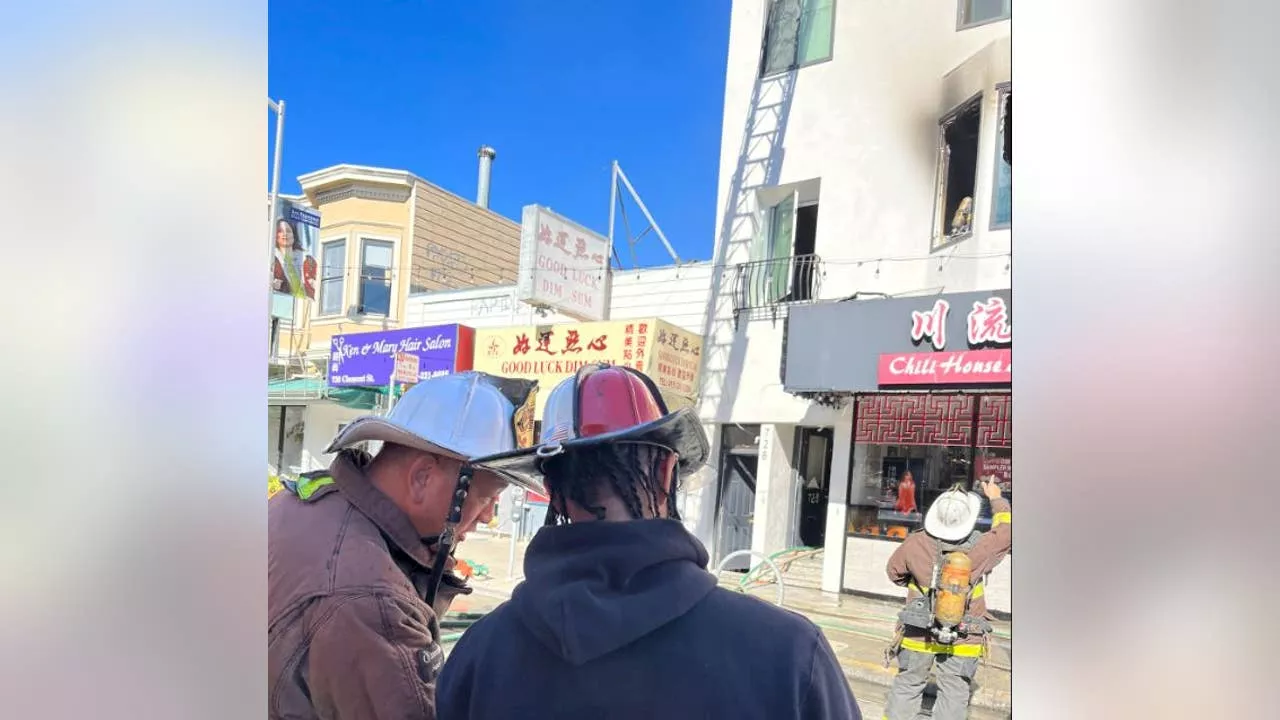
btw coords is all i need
(487, 155)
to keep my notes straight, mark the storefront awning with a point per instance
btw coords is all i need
(302, 390)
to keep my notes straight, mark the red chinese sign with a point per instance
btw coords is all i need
(667, 353)
(572, 344)
(946, 368)
(987, 324)
(931, 325)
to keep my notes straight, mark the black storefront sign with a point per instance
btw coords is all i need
(836, 347)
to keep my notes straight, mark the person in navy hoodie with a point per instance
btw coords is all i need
(617, 616)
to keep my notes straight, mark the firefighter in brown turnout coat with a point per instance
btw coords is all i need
(944, 626)
(359, 556)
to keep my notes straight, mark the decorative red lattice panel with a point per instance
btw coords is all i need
(995, 421)
(914, 420)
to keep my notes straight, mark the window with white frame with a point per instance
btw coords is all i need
(784, 263)
(798, 33)
(980, 12)
(333, 273)
(1002, 194)
(957, 173)
(375, 276)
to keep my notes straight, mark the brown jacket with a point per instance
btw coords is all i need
(911, 565)
(349, 635)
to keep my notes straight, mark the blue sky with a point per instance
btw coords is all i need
(559, 89)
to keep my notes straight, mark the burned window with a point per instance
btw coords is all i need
(957, 172)
(1008, 128)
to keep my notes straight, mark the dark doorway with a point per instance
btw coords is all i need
(813, 458)
(803, 287)
(736, 494)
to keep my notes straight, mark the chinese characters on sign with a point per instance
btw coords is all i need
(987, 324)
(562, 265)
(931, 325)
(561, 243)
(549, 354)
(677, 356)
(572, 343)
(989, 359)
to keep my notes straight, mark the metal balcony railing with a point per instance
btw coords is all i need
(768, 284)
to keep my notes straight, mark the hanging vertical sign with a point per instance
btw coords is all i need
(563, 266)
(293, 254)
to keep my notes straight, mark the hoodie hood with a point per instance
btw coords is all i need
(591, 588)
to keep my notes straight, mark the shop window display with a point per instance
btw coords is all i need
(911, 448)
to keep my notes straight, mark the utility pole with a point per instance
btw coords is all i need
(278, 108)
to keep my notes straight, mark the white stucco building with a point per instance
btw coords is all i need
(861, 159)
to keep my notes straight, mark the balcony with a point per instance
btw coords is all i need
(763, 287)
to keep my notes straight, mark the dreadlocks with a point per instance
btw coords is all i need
(631, 470)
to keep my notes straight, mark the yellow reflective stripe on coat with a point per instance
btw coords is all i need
(977, 591)
(308, 486)
(933, 648)
(1002, 518)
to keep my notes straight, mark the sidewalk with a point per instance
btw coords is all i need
(857, 628)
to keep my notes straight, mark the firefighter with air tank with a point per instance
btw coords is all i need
(944, 628)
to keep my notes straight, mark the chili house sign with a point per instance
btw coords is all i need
(939, 340)
(987, 329)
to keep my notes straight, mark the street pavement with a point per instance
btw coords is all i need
(858, 629)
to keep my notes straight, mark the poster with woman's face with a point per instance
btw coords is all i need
(293, 259)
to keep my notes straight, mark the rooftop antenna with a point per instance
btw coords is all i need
(618, 206)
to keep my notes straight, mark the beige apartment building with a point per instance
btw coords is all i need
(385, 234)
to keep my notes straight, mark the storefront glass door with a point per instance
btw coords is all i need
(814, 454)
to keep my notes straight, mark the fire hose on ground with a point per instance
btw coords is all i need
(778, 560)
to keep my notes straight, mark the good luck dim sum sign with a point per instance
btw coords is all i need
(987, 360)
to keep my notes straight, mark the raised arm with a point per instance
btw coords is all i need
(995, 544)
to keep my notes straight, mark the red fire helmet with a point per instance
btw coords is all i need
(605, 404)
